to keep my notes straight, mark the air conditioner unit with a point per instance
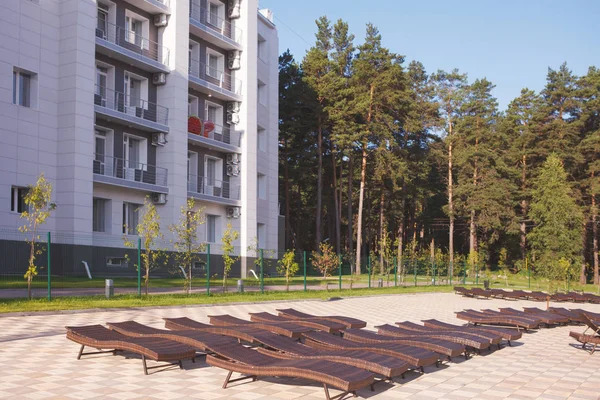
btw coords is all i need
(233, 8)
(233, 212)
(233, 118)
(233, 59)
(160, 20)
(159, 139)
(159, 78)
(159, 198)
(233, 170)
(233, 107)
(233, 158)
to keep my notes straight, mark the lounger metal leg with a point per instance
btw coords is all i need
(422, 370)
(80, 352)
(180, 365)
(145, 366)
(509, 344)
(339, 396)
(594, 348)
(228, 379)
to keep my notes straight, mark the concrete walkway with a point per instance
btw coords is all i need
(38, 362)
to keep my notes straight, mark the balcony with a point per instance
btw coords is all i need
(220, 138)
(213, 190)
(129, 173)
(153, 6)
(214, 29)
(214, 82)
(118, 43)
(116, 106)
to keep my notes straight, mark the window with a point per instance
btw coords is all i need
(262, 93)
(101, 81)
(261, 235)
(211, 228)
(192, 171)
(116, 262)
(262, 49)
(213, 112)
(136, 90)
(192, 105)
(100, 152)
(130, 218)
(17, 199)
(22, 88)
(214, 14)
(134, 153)
(99, 215)
(214, 65)
(102, 20)
(193, 58)
(262, 186)
(134, 28)
(261, 138)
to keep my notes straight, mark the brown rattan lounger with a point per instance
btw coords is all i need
(412, 355)
(530, 319)
(481, 292)
(349, 322)
(492, 338)
(478, 318)
(381, 364)
(546, 317)
(436, 345)
(286, 328)
(463, 291)
(464, 339)
(506, 334)
(560, 319)
(591, 315)
(318, 324)
(100, 337)
(562, 297)
(585, 339)
(539, 296)
(573, 316)
(241, 332)
(254, 364)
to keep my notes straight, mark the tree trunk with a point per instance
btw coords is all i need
(349, 210)
(582, 273)
(400, 249)
(595, 239)
(450, 207)
(381, 222)
(319, 185)
(336, 204)
(472, 226)
(523, 228)
(361, 195)
(286, 180)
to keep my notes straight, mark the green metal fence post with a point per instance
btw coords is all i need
(369, 269)
(49, 268)
(208, 269)
(340, 267)
(395, 272)
(262, 282)
(304, 257)
(139, 266)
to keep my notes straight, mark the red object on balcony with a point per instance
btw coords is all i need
(195, 125)
(209, 126)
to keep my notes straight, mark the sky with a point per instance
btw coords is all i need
(510, 42)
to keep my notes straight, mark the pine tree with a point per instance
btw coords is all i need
(555, 239)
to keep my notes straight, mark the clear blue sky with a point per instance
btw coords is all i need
(510, 42)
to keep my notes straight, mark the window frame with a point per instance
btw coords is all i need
(97, 201)
(219, 113)
(214, 219)
(195, 105)
(17, 199)
(143, 150)
(18, 90)
(261, 186)
(127, 229)
(127, 77)
(220, 64)
(131, 17)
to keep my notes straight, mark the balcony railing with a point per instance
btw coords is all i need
(130, 105)
(220, 134)
(133, 42)
(213, 187)
(129, 170)
(213, 75)
(215, 23)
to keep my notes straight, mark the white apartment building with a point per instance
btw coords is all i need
(98, 94)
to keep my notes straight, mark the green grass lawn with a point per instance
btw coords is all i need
(122, 301)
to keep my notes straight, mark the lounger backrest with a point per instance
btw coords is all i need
(133, 327)
(588, 321)
(95, 332)
(227, 320)
(187, 323)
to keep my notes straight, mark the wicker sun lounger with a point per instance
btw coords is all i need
(530, 319)
(592, 298)
(573, 316)
(479, 318)
(286, 328)
(506, 334)
(385, 365)
(493, 338)
(416, 356)
(349, 322)
(481, 292)
(591, 315)
(585, 339)
(463, 291)
(539, 296)
(254, 364)
(560, 319)
(546, 317)
(318, 324)
(156, 349)
(464, 339)
(241, 332)
(561, 297)
(202, 341)
(441, 346)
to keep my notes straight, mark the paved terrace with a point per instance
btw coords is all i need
(38, 362)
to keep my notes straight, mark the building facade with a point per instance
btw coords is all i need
(119, 100)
